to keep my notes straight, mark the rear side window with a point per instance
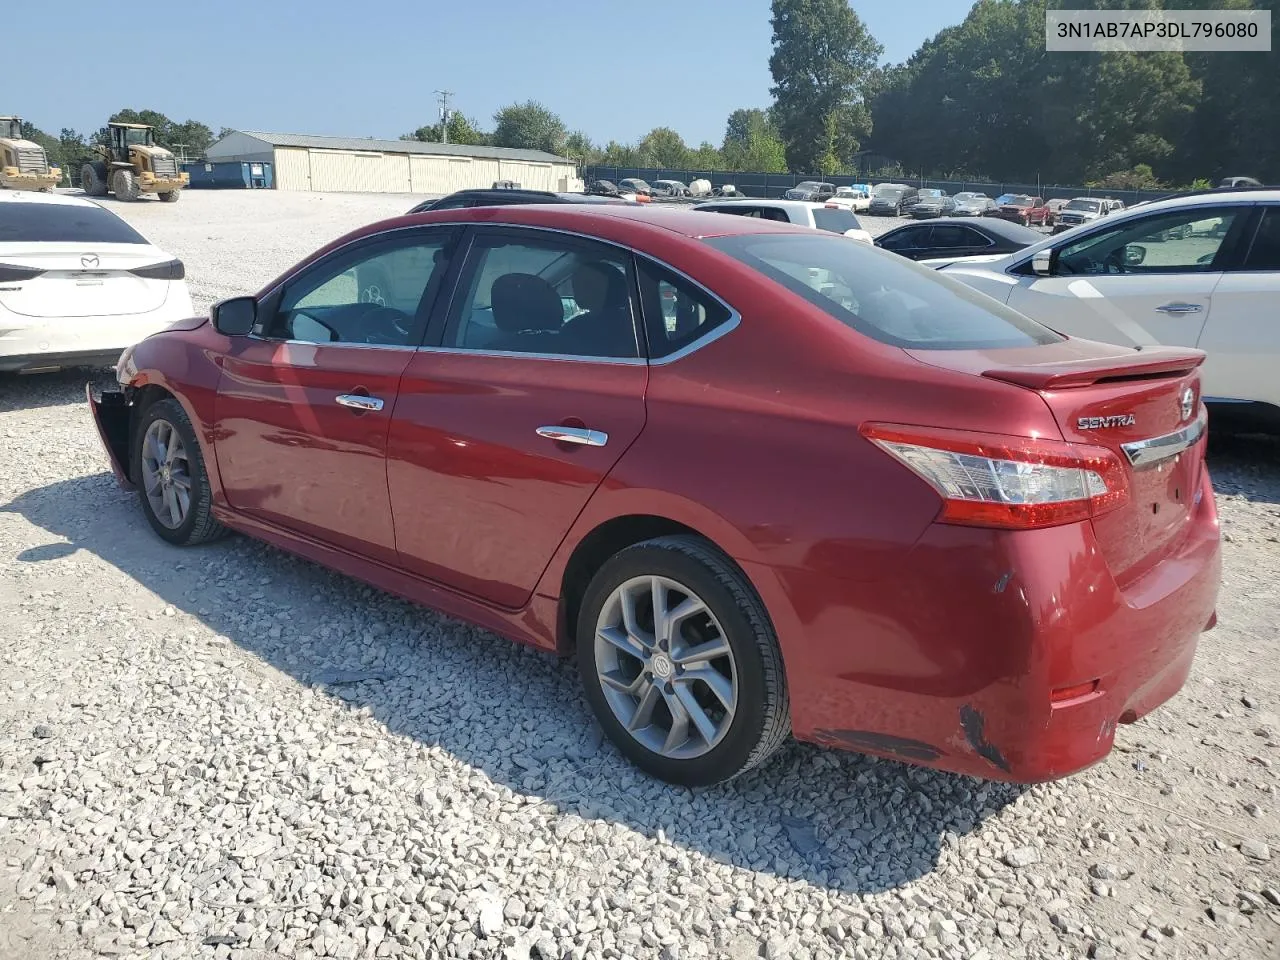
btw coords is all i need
(62, 223)
(676, 311)
(889, 299)
(835, 221)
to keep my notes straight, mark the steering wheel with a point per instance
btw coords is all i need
(376, 319)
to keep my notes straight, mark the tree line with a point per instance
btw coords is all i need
(982, 101)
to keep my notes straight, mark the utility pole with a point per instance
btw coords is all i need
(442, 97)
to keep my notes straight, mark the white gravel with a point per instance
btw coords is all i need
(230, 753)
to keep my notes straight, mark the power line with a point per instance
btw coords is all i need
(442, 97)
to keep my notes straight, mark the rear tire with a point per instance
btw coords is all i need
(718, 664)
(173, 485)
(125, 185)
(171, 196)
(93, 180)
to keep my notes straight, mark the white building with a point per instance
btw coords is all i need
(390, 166)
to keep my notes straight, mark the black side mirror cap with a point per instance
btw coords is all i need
(234, 317)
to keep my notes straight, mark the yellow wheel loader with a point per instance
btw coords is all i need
(23, 164)
(131, 164)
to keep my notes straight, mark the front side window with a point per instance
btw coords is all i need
(910, 239)
(952, 235)
(375, 295)
(545, 295)
(1184, 241)
(1264, 254)
(889, 299)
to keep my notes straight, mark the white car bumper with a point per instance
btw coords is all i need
(31, 344)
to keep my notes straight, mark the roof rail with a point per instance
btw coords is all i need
(1209, 191)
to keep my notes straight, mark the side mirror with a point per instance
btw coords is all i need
(1134, 254)
(234, 317)
(1042, 263)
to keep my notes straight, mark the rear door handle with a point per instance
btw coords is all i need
(589, 438)
(1180, 308)
(358, 402)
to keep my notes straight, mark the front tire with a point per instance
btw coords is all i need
(93, 181)
(680, 663)
(173, 485)
(125, 185)
(171, 196)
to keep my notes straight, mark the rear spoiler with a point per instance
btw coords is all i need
(1150, 363)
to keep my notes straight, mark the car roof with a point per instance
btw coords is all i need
(588, 218)
(993, 225)
(56, 199)
(761, 202)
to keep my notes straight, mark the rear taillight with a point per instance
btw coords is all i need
(989, 480)
(169, 270)
(12, 274)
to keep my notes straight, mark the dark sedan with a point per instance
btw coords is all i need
(953, 237)
(503, 197)
(932, 203)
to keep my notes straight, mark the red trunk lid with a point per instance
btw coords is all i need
(1116, 397)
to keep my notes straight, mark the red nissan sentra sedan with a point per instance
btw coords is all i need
(758, 479)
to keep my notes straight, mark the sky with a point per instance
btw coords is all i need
(370, 69)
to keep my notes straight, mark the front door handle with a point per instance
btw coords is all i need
(358, 402)
(1180, 308)
(590, 438)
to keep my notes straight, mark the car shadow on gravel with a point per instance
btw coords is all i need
(1246, 465)
(837, 820)
(34, 390)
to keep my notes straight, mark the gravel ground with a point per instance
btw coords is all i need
(227, 752)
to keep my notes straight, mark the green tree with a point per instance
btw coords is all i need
(579, 148)
(823, 64)
(462, 129)
(617, 154)
(751, 142)
(706, 157)
(529, 126)
(663, 147)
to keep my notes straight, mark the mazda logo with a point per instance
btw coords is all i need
(89, 261)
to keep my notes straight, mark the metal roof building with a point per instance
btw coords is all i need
(350, 164)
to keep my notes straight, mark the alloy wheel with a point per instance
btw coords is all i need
(666, 667)
(166, 474)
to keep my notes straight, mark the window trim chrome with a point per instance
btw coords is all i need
(1146, 453)
(720, 330)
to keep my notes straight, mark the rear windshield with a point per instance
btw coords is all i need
(59, 223)
(836, 220)
(885, 297)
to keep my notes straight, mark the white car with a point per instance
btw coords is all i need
(78, 284)
(1200, 270)
(851, 198)
(820, 216)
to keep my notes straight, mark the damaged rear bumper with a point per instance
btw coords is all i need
(1010, 656)
(112, 417)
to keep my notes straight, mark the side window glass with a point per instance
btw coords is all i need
(1265, 252)
(972, 238)
(950, 236)
(676, 311)
(1186, 241)
(904, 240)
(773, 213)
(371, 296)
(544, 296)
